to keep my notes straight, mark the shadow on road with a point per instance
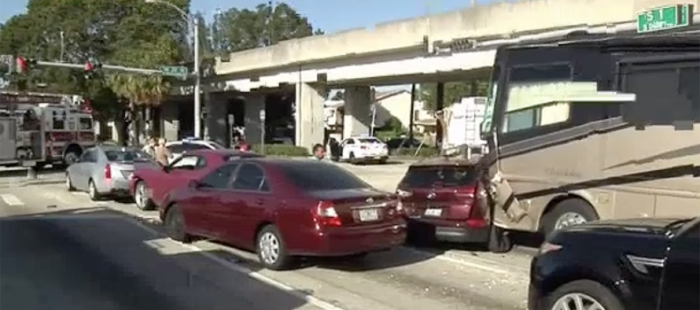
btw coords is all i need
(93, 258)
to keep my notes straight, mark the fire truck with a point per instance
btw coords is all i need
(37, 129)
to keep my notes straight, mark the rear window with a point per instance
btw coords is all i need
(126, 155)
(369, 140)
(318, 176)
(439, 176)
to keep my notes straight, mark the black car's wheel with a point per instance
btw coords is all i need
(93, 193)
(567, 213)
(582, 295)
(141, 198)
(271, 249)
(69, 183)
(175, 225)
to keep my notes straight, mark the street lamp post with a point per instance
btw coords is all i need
(194, 22)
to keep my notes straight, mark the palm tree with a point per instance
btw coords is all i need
(139, 91)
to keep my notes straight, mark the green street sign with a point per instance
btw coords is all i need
(176, 71)
(663, 18)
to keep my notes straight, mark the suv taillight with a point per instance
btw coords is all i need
(326, 215)
(467, 196)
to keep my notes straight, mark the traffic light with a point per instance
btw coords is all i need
(24, 64)
(90, 68)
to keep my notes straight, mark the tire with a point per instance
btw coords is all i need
(271, 249)
(591, 292)
(143, 203)
(576, 208)
(92, 192)
(69, 183)
(499, 241)
(383, 161)
(71, 156)
(352, 159)
(175, 226)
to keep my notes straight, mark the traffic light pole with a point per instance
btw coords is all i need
(110, 67)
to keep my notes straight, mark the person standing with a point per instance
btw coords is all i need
(162, 154)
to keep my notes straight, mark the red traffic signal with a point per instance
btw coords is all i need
(21, 65)
(88, 67)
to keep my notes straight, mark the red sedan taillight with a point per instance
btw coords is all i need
(326, 215)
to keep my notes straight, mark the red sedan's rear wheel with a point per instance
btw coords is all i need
(271, 249)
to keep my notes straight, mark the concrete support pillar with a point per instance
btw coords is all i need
(215, 120)
(309, 114)
(170, 125)
(358, 111)
(254, 103)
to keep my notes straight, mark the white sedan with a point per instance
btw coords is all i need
(363, 149)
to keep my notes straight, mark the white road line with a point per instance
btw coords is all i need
(253, 274)
(11, 200)
(462, 262)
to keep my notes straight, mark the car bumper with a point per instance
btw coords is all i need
(355, 240)
(450, 231)
(116, 188)
(373, 157)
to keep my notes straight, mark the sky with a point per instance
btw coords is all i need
(328, 15)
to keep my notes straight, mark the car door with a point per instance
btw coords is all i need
(681, 276)
(346, 148)
(178, 174)
(176, 149)
(202, 205)
(80, 171)
(240, 210)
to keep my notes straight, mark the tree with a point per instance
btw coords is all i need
(453, 92)
(267, 24)
(124, 32)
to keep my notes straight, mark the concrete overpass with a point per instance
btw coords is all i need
(442, 47)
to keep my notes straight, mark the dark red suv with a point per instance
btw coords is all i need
(439, 198)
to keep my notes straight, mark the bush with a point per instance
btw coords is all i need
(286, 150)
(425, 151)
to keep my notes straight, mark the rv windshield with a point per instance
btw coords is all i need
(487, 123)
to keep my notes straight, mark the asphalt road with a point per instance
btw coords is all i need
(68, 252)
(74, 257)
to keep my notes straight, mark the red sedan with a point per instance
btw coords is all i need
(150, 183)
(284, 208)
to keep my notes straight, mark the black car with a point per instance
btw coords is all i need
(641, 264)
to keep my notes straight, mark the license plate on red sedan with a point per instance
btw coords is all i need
(433, 212)
(368, 215)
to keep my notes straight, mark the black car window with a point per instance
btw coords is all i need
(438, 176)
(250, 178)
(317, 176)
(220, 177)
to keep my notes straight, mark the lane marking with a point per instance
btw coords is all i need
(253, 274)
(11, 200)
(461, 262)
